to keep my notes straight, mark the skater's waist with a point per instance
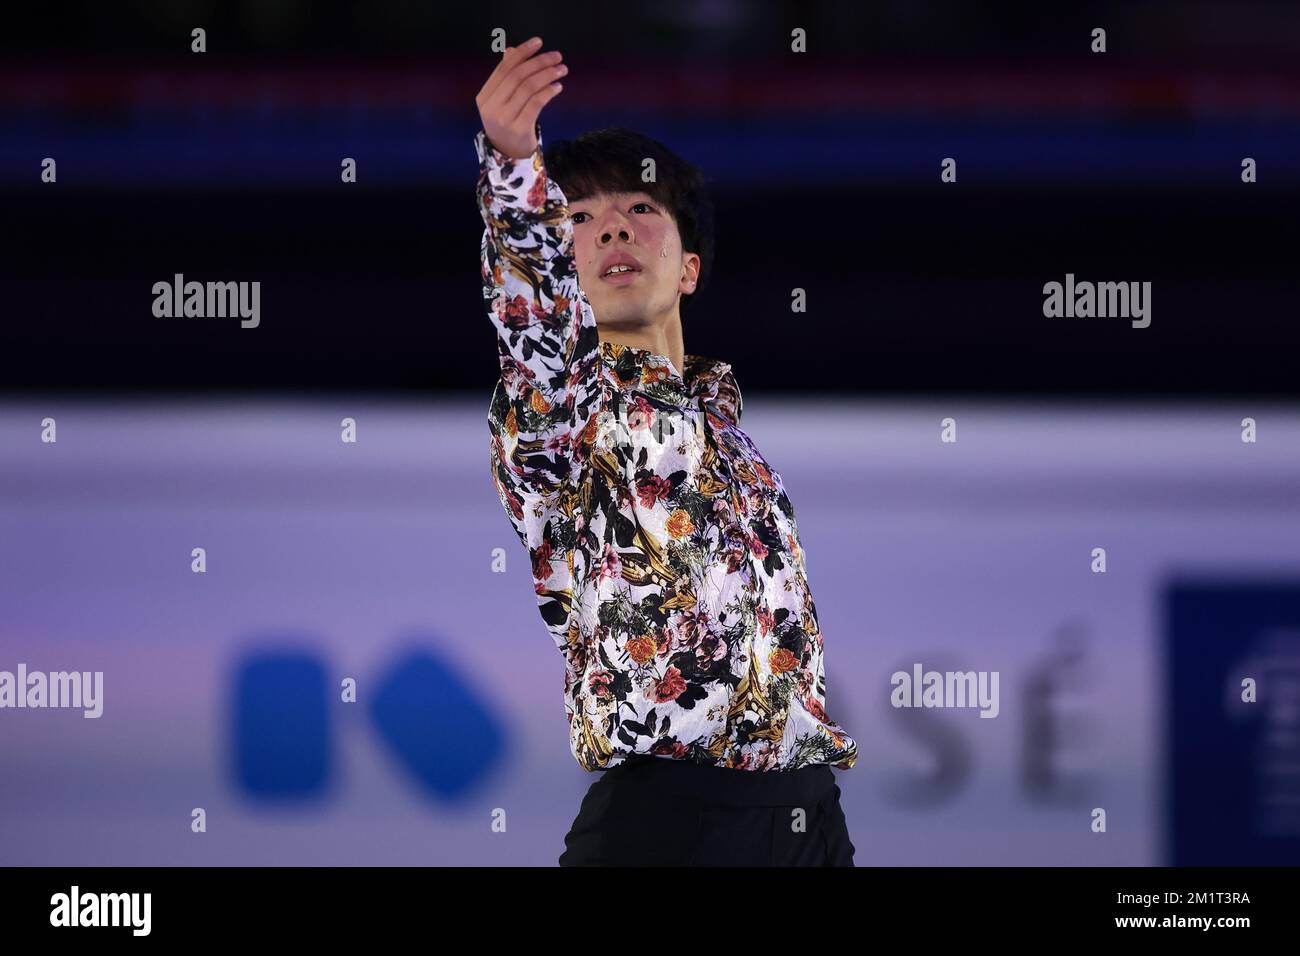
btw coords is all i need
(723, 785)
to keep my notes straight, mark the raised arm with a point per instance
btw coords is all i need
(546, 333)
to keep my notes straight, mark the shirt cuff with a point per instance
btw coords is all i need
(487, 152)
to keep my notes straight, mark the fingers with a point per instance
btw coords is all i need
(528, 77)
(517, 63)
(533, 107)
(534, 78)
(512, 55)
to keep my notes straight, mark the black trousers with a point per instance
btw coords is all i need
(657, 811)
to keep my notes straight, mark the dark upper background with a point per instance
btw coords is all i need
(825, 166)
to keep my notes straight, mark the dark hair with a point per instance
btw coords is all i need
(610, 161)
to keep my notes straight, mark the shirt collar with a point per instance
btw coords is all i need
(706, 379)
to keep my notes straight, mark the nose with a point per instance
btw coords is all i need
(622, 229)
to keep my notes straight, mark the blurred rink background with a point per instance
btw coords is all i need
(373, 560)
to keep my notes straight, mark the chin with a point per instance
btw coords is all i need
(608, 315)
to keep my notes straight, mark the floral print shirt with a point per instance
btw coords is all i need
(665, 556)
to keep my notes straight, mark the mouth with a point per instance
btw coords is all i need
(621, 275)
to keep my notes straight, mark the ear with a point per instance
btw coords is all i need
(690, 272)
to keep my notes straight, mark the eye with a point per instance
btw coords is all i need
(574, 216)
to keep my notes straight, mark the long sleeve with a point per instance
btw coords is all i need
(549, 390)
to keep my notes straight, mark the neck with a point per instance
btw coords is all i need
(663, 339)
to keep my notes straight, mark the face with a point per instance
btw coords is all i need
(631, 225)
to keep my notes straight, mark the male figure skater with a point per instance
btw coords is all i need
(665, 556)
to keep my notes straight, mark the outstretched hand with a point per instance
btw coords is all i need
(512, 98)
